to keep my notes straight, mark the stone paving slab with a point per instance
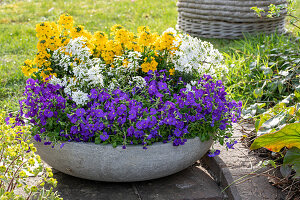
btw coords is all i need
(191, 183)
(240, 162)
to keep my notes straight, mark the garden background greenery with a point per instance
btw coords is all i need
(263, 70)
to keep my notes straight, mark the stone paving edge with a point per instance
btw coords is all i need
(222, 175)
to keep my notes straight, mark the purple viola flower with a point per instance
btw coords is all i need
(121, 109)
(215, 153)
(103, 96)
(48, 113)
(100, 125)
(93, 127)
(150, 136)
(112, 114)
(154, 131)
(104, 136)
(62, 145)
(222, 126)
(179, 124)
(230, 145)
(80, 112)
(94, 94)
(73, 118)
(157, 94)
(100, 113)
(178, 142)
(43, 130)
(152, 121)
(153, 111)
(139, 125)
(170, 121)
(132, 115)
(121, 120)
(74, 130)
(43, 120)
(162, 85)
(130, 131)
(145, 123)
(30, 81)
(152, 90)
(178, 132)
(138, 133)
(37, 138)
(7, 120)
(47, 143)
(33, 121)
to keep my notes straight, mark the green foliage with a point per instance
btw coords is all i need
(288, 136)
(258, 11)
(276, 117)
(277, 10)
(279, 73)
(292, 157)
(263, 69)
(264, 72)
(18, 162)
(274, 10)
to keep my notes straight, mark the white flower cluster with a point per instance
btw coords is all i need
(82, 72)
(196, 55)
(125, 69)
(138, 81)
(132, 62)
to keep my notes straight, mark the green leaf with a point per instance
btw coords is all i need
(273, 85)
(292, 157)
(285, 170)
(257, 124)
(266, 125)
(280, 86)
(297, 95)
(267, 71)
(2, 191)
(289, 137)
(97, 140)
(258, 92)
(114, 144)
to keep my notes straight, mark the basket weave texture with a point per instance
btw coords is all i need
(229, 19)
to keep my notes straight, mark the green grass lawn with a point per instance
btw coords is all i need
(18, 41)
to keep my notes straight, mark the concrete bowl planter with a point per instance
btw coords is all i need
(105, 163)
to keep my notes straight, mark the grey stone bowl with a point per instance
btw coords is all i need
(105, 163)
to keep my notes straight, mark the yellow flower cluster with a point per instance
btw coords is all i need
(172, 71)
(27, 68)
(53, 35)
(165, 41)
(145, 38)
(66, 21)
(149, 64)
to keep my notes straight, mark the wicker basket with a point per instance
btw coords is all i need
(229, 19)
